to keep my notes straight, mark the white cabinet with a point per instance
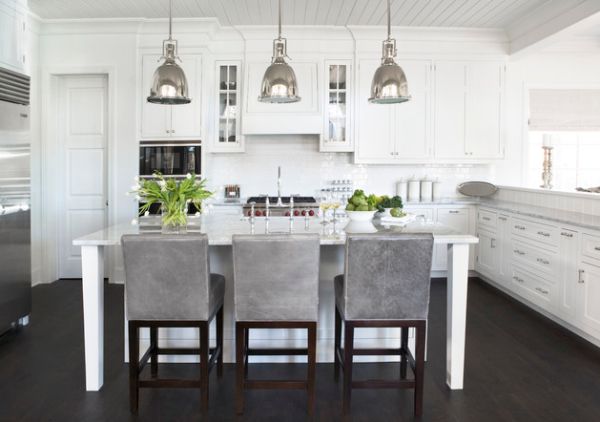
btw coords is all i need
(458, 219)
(13, 35)
(337, 128)
(568, 273)
(302, 117)
(228, 136)
(469, 116)
(396, 133)
(487, 253)
(160, 121)
(504, 248)
(589, 309)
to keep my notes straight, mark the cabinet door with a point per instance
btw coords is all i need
(228, 134)
(156, 118)
(487, 256)
(337, 133)
(450, 103)
(590, 306)
(411, 123)
(12, 37)
(568, 280)
(504, 249)
(185, 118)
(374, 139)
(456, 218)
(485, 87)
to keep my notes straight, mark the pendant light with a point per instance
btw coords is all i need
(389, 84)
(279, 83)
(169, 84)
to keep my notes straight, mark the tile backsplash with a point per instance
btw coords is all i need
(305, 170)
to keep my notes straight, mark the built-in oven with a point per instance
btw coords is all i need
(172, 158)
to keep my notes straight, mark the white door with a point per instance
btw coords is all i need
(82, 128)
(375, 140)
(412, 119)
(590, 307)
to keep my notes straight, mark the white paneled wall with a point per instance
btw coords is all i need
(585, 203)
(305, 169)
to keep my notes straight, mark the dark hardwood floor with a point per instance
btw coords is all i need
(519, 367)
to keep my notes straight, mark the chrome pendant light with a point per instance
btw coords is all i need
(169, 84)
(389, 84)
(279, 83)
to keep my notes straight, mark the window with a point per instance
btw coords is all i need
(570, 119)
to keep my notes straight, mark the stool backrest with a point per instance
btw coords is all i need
(276, 277)
(166, 276)
(387, 276)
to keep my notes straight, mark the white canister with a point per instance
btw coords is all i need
(402, 190)
(437, 190)
(426, 190)
(414, 190)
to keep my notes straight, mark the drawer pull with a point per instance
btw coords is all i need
(542, 291)
(543, 261)
(453, 212)
(519, 279)
(566, 234)
(518, 252)
(520, 227)
(492, 243)
(486, 218)
(597, 248)
(581, 280)
(502, 218)
(545, 234)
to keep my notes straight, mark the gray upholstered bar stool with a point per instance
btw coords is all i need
(386, 283)
(168, 284)
(276, 285)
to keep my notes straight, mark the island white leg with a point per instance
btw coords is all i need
(92, 266)
(456, 319)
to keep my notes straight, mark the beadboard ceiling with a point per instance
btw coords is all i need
(442, 13)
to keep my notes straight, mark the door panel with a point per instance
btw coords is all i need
(185, 118)
(450, 103)
(156, 118)
(83, 139)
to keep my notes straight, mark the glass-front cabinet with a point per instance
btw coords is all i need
(228, 133)
(336, 136)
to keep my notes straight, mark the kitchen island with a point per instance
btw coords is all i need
(220, 229)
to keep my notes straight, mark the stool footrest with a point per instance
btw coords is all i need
(275, 384)
(170, 383)
(276, 352)
(383, 384)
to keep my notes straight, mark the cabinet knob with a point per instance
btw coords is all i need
(581, 279)
(566, 234)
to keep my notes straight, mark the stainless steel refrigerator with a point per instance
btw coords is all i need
(15, 220)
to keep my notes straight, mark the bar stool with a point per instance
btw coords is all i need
(386, 283)
(169, 284)
(276, 285)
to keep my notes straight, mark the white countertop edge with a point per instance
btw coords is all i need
(587, 195)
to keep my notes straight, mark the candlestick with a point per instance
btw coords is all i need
(547, 165)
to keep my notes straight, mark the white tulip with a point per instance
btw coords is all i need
(135, 187)
(188, 176)
(136, 179)
(138, 197)
(134, 222)
(147, 213)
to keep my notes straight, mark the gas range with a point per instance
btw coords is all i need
(280, 206)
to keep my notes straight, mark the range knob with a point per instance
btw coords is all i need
(287, 213)
(311, 213)
(296, 213)
(257, 213)
(303, 213)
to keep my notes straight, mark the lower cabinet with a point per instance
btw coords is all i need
(552, 267)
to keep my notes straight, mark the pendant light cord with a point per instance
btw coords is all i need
(170, 18)
(279, 26)
(389, 24)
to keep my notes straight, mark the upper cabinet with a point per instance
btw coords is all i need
(302, 117)
(396, 133)
(13, 35)
(469, 110)
(337, 128)
(182, 121)
(228, 136)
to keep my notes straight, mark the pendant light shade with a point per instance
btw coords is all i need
(279, 83)
(169, 84)
(389, 85)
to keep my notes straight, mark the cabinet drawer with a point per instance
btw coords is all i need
(535, 231)
(536, 289)
(535, 258)
(590, 246)
(487, 218)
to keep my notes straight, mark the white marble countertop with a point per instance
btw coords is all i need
(220, 228)
(589, 221)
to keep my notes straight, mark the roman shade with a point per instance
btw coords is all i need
(575, 110)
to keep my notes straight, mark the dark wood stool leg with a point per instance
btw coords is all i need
(337, 343)
(220, 342)
(348, 352)
(420, 367)
(404, 347)
(134, 356)
(312, 366)
(204, 355)
(246, 347)
(154, 352)
(240, 344)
